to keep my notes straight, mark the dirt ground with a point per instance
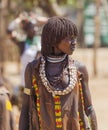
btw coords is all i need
(98, 84)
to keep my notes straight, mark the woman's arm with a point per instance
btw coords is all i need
(89, 110)
(24, 117)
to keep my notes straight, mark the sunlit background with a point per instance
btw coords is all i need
(91, 18)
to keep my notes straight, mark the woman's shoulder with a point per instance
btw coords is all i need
(81, 67)
(33, 64)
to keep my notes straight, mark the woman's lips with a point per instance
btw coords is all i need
(72, 47)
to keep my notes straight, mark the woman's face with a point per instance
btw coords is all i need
(67, 45)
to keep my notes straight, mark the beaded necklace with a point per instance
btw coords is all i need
(55, 93)
(51, 89)
(56, 59)
(57, 106)
(37, 99)
(82, 105)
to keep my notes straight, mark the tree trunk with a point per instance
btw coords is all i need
(50, 8)
(97, 37)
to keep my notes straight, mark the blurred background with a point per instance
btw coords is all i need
(19, 19)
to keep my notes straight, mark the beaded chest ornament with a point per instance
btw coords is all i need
(55, 93)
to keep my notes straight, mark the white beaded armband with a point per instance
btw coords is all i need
(90, 108)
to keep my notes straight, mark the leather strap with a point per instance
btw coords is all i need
(27, 91)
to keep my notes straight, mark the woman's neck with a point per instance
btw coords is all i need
(56, 58)
(56, 52)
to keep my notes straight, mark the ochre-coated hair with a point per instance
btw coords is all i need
(55, 30)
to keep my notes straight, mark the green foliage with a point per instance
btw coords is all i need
(72, 2)
(68, 2)
(28, 5)
(53, 1)
(24, 4)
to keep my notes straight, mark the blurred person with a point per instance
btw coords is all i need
(32, 48)
(27, 40)
(32, 43)
(6, 114)
(56, 94)
(16, 33)
(17, 29)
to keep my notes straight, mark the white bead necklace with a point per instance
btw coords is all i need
(56, 59)
(46, 83)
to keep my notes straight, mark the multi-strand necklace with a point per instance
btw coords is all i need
(56, 59)
(50, 88)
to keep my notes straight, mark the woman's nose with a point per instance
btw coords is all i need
(73, 42)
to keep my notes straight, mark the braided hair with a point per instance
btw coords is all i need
(55, 30)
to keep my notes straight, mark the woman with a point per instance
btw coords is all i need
(56, 96)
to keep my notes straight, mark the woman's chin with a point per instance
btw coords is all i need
(70, 53)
